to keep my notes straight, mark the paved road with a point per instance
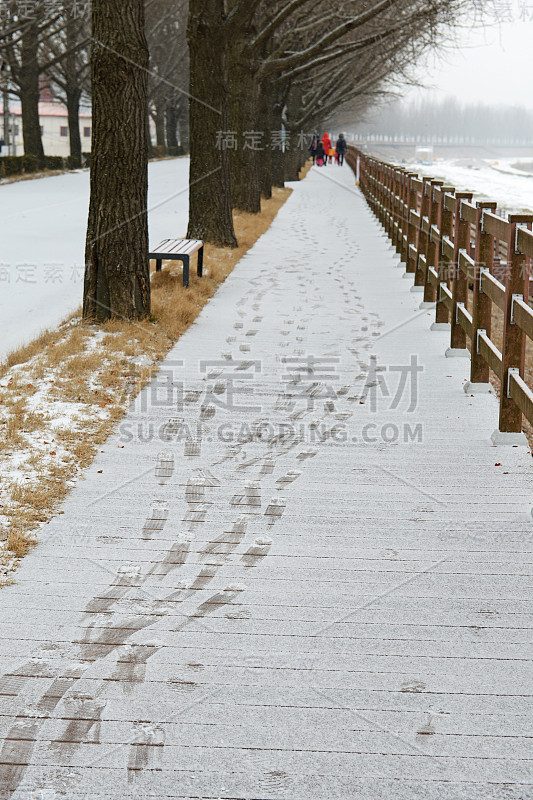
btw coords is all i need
(299, 569)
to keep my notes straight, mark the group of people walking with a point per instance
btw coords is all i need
(322, 149)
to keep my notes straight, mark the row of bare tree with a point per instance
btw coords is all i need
(291, 66)
(448, 119)
(254, 75)
(46, 44)
(41, 38)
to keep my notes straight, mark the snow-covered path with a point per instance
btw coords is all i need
(42, 230)
(296, 571)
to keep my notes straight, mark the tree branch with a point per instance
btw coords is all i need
(277, 65)
(275, 23)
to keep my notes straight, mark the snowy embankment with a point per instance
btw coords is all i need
(42, 229)
(499, 180)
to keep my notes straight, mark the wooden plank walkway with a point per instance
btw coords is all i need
(299, 569)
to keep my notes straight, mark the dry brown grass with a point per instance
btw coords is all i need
(19, 542)
(305, 169)
(32, 349)
(93, 374)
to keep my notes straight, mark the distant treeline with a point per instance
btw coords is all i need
(448, 120)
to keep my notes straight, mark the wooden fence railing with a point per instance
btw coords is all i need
(449, 244)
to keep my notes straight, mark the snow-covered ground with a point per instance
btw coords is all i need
(282, 592)
(497, 180)
(42, 230)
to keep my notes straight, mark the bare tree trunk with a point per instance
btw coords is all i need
(29, 94)
(303, 153)
(293, 162)
(117, 280)
(183, 127)
(266, 174)
(158, 115)
(73, 92)
(293, 157)
(278, 168)
(73, 110)
(151, 153)
(266, 106)
(210, 216)
(251, 141)
(171, 123)
(278, 155)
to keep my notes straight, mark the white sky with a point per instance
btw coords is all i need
(492, 64)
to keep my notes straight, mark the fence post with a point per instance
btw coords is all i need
(373, 190)
(377, 189)
(366, 180)
(392, 188)
(388, 200)
(400, 214)
(382, 190)
(481, 302)
(398, 193)
(404, 242)
(363, 173)
(514, 339)
(396, 196)
(371, 184)
(442, 318)
(461, 241)
(381, 184)
(402, 205)
(430, 253)
(444, 225)
(422, 237)
(410, 263)
(375, 185)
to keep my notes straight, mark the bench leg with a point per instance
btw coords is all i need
(158, 264)
(186, 263)
(200, 268)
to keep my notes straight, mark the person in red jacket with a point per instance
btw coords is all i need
(326, 141)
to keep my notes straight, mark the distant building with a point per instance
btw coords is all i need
(54, 129)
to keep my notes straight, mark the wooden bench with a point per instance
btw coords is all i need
(179, 250)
